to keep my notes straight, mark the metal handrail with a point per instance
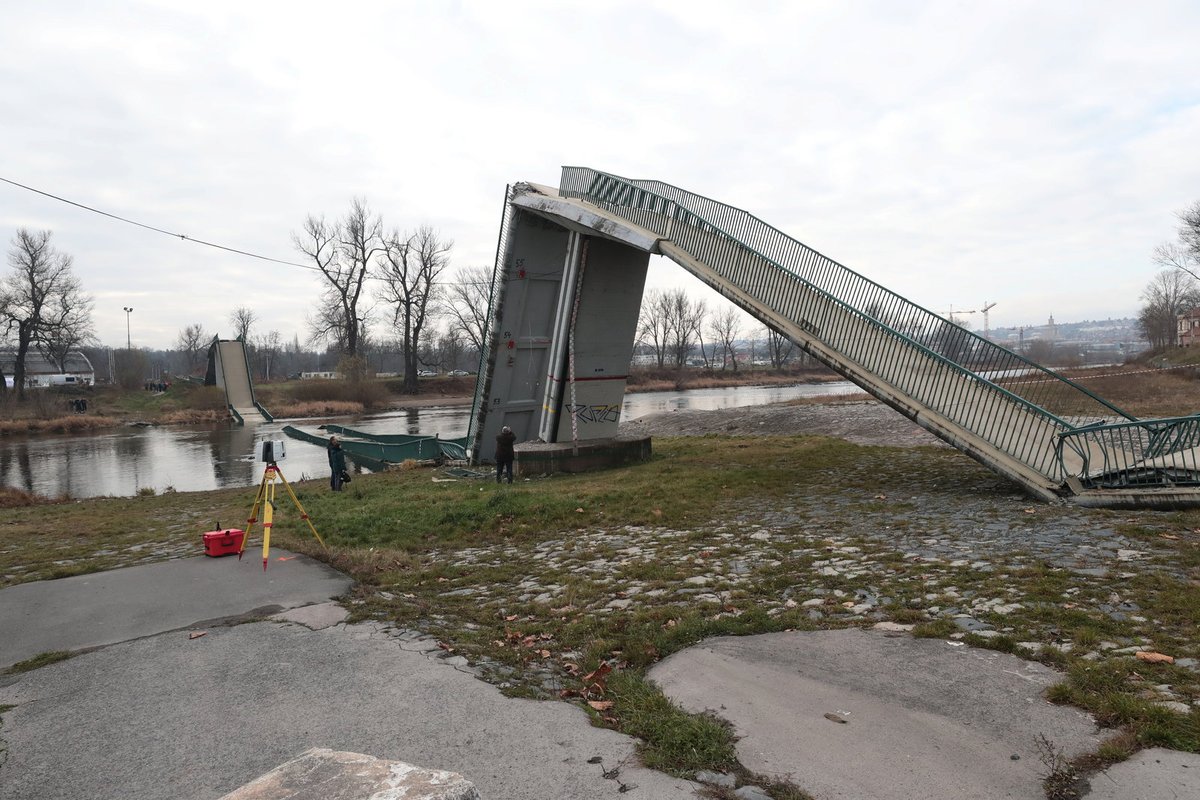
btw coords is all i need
(706, 211)
(1142, 453)
(738, 246)
(487, 351)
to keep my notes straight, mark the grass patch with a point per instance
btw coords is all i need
(40, 660)
(675, 741)
(39, 542)
(1107, 691)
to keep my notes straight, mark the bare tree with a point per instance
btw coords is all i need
(725, 329)
(41, 301)
(684, 319)
(466, 304)
(192, 343)
(132, 367)
(1183, 255)
(652, 324)
(1169, 294)
(1170, 255)
(268, 347)
(242, 319)
(411, 267)
(779, 348)
(450, 349)
(67, 327)
(1189, 231)
(345, 253)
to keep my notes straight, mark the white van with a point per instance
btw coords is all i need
(65, 380)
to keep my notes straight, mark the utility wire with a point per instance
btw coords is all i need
(157, 230)
(187, 238)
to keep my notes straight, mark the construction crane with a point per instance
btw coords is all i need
(986, 330)
(951, 314)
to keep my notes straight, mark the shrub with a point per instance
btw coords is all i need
(367, 393)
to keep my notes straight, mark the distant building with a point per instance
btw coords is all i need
(1189, 328)
(40, 372)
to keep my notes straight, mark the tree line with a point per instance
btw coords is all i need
(371, 273)
(1175, 289)
(673, 328)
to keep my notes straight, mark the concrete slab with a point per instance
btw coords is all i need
(323, 774)
(1154, 774)
(165, 716)
(115, 606)
(314, 617)
(850, 714)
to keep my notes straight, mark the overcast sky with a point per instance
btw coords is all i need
(1027, 154)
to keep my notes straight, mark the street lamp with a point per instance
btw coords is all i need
(128, 311)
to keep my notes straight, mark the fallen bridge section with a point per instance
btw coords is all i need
(229, 369)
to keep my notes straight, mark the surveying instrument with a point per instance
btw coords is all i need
(269, 452)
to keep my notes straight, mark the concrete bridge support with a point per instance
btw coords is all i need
(564, 319)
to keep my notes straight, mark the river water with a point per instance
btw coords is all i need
(121, 461)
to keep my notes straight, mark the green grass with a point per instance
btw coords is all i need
(1104, 689)
(682, 742)
(40, 660)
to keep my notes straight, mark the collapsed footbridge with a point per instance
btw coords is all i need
(229, 368)
(570, 269)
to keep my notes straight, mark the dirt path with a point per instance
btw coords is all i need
(865, 422)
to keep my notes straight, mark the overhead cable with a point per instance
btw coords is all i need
(187, 238)
(183, 236)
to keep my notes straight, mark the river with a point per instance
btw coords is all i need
(121, 462)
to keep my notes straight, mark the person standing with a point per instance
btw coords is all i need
(504, 452)
(337, 463)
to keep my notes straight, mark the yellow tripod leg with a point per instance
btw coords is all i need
(303, 513)
(268, 519)
(258, 498)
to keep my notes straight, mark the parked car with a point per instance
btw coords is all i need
(427, 373)
(458, 373)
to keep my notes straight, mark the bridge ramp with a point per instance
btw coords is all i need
(233, 375)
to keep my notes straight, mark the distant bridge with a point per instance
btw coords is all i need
(570, 271)
(229, 369)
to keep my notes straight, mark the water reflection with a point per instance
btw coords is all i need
(120, 462)
(642, 403)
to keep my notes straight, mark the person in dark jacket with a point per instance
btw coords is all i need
(337, 463)
(504, 452)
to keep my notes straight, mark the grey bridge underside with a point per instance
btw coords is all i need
(1030, 432)
(233, 375)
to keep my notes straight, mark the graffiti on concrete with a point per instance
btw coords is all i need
(597, 413)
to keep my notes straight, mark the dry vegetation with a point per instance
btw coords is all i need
(316, 408)
(73, 424)
(1142, 391)
(19, 498)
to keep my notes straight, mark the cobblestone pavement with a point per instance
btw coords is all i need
(971, 554)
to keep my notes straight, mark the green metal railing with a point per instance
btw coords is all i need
(1149, 452)
(487, 353)
(1018, 406)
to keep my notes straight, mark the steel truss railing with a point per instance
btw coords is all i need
(1150, 452)
(487, 353)
(1019, 407)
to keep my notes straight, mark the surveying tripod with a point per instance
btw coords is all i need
(266, 499)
